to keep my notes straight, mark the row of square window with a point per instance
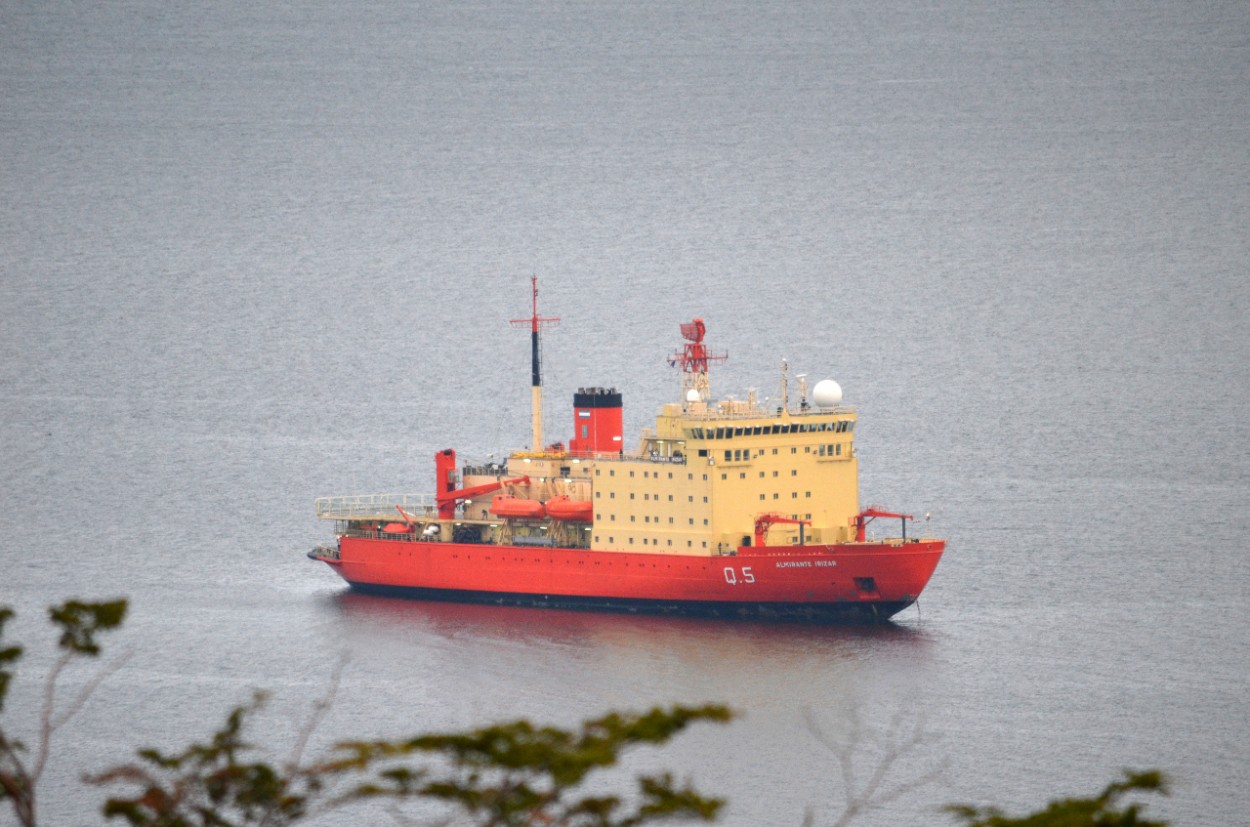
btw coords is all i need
(739, 455)
(794, 472)
(840, 427)
(645, 496)
(645, 474)
(648, 542)
(793, 494)
(646, 519)
(744, 454)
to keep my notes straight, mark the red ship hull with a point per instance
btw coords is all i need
(870, 581)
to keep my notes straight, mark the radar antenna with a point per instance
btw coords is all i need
(694, 359)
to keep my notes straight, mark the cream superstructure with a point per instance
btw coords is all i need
(707, 472)
(701, 478)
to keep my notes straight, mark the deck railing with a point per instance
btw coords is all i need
(746, 411)
(375, 506)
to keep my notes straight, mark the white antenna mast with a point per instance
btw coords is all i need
(785, 386)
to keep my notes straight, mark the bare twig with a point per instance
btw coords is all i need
(16, 783)
(49, 721)
(888, 749)
(89, 689)
(321, 708)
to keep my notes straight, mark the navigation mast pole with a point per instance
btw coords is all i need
(536, 382)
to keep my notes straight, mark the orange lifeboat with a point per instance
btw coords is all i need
(506, 505)
(563, 508)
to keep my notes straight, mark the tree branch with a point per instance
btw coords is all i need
(892, 747)
(321, 708)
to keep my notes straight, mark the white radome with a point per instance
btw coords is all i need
(827, 393)
(692, 395)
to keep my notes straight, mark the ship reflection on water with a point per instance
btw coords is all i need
(712, 651)
(521, 621)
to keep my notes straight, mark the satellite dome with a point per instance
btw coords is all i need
(692, 395)
(827, 393)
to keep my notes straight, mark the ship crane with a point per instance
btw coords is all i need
(764, 521)
(863, 518)
(408, 518)
(448, 501)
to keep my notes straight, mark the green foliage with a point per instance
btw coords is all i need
(80, 622)
(1099, 811)
(209, 784)
(15, 782)
(519, 774)
(513, 773)
(9, 656)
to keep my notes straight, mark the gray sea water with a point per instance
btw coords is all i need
(252, 254)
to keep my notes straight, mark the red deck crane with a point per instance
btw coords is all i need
(863, 518)
(763, 521)
(447, 496)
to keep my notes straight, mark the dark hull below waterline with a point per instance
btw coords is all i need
(860, 612)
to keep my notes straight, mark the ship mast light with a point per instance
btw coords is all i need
(535, 323)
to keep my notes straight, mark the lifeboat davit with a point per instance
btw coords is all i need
(506, 505)
(563, 508)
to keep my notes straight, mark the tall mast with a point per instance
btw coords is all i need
(536, 381)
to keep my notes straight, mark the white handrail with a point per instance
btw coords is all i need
(379, 506)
